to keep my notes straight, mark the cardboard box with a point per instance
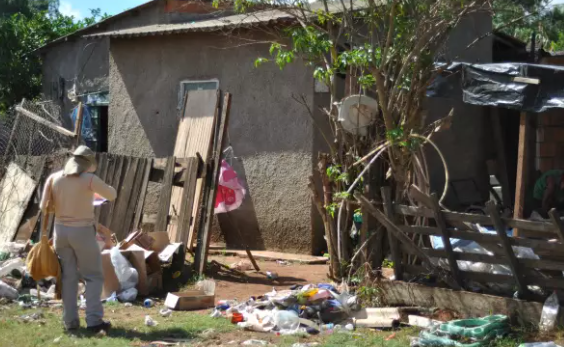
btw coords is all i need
(163, 247)
(111, 282)
(155, 282)
(190, 300)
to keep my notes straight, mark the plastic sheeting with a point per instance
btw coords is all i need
(496, 85)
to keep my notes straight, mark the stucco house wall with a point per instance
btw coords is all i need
(85, 63)
(271, 134)
(466, 145)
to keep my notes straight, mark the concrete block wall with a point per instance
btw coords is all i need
(550, 141)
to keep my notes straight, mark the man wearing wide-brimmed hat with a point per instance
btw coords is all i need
(71, 193)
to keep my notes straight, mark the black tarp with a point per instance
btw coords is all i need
(494, 85)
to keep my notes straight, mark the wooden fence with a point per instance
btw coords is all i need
(548, 243)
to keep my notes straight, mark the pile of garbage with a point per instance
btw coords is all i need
(309, 309)
(16, 284)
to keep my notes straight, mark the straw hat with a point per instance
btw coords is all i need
(83, 158)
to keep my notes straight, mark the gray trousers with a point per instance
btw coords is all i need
(78, 251)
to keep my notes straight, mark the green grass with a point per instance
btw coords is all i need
(129, 330)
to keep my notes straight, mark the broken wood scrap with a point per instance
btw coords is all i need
(396, 231)
(42, 121)
(16, 190)
(78, 125)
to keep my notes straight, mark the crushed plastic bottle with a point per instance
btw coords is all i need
(150, 322)
(549, 313)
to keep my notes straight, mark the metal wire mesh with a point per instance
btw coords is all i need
(22, 137)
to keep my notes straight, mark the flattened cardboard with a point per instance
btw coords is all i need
(189, 300)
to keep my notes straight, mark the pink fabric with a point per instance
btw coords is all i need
(230, 192)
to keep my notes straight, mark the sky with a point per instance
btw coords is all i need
(81, 8)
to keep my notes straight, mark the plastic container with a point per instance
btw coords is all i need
(286, 320)
(237, 318)
(549, 313)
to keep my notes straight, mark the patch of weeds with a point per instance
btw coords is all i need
(388, 264)
(369, 295)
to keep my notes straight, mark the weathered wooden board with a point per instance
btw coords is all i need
(16, 189)
(165, 196)
(211, 188)
(469, 305)
(195, 134)
(142, 194)
(122, 201)
(184, 220)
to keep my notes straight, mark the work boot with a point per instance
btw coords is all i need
(72, 326)
(105, 325)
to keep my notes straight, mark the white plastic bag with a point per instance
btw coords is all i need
(207, 286)
(127, 275)
(549, 313)
(286, 320)
(7, 292)
(128, 295)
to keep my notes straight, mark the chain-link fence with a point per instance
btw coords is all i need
(23, 135)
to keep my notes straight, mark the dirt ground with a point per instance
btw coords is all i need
(230, 285)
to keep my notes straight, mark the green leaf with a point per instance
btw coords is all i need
(260, 61)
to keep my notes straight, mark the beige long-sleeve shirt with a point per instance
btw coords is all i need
(73, 197)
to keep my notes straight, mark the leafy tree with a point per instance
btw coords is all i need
(20, 34)
(528, 17)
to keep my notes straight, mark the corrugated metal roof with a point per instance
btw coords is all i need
(108, 20)
(236, 21)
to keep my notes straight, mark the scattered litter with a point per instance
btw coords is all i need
(148, 303)
(271, 275)
(82, 305)
(539, 344)
(309, 344)
(549, 313)
(128, 295)
(27, 318)
(150, 322)
(112, 298)
(422, 322)
(165, 312)
(127, 304)
(283, 263)
(57, 340)
(208, 333)
(8, 292)
(254, 343)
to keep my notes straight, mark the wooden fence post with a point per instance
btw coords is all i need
(394, 245)
(513, 262)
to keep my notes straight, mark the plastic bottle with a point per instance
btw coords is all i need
(549, 313)
(148, 303)
(286, 320)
